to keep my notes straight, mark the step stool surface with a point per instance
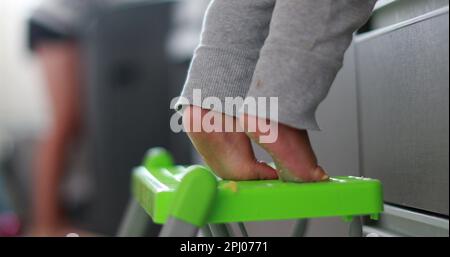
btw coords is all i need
(154, 186)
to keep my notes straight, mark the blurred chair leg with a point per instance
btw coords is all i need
(300, 228)
(178, 228)
(243, 229)
(355, 227)
(135, 221)
(206, 232)
(220, 230)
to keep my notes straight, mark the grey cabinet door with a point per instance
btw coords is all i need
(403, 102)
(336, 145)
(127, 100)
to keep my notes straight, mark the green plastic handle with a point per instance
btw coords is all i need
(194, 196)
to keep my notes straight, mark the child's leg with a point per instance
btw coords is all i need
(233, 34)
(297, 64)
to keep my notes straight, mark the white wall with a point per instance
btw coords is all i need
(22, 96)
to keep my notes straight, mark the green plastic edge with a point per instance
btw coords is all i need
(159, 158)
(194, 196)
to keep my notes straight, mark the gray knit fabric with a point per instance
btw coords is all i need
(290, 49)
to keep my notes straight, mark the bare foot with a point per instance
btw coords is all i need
(291, 151)
(228, 154)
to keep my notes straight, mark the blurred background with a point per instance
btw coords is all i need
(85, 87)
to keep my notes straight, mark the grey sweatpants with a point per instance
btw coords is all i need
(290, 49)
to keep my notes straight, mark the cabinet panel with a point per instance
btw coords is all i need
(403, 101)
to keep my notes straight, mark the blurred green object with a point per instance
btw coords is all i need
(161, 188)
(158, 157)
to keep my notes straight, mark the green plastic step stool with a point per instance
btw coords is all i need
(186, 199)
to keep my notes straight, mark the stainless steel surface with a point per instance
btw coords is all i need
(400, 222)
(388, 12)
(377, 232)
(403, 100)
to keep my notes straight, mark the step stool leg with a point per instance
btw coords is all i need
(135, 221)
(355, 228)
(178, 228)
(205, 231)
(300, 228)
(219, 230)
(243, 229)
(193, 200)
